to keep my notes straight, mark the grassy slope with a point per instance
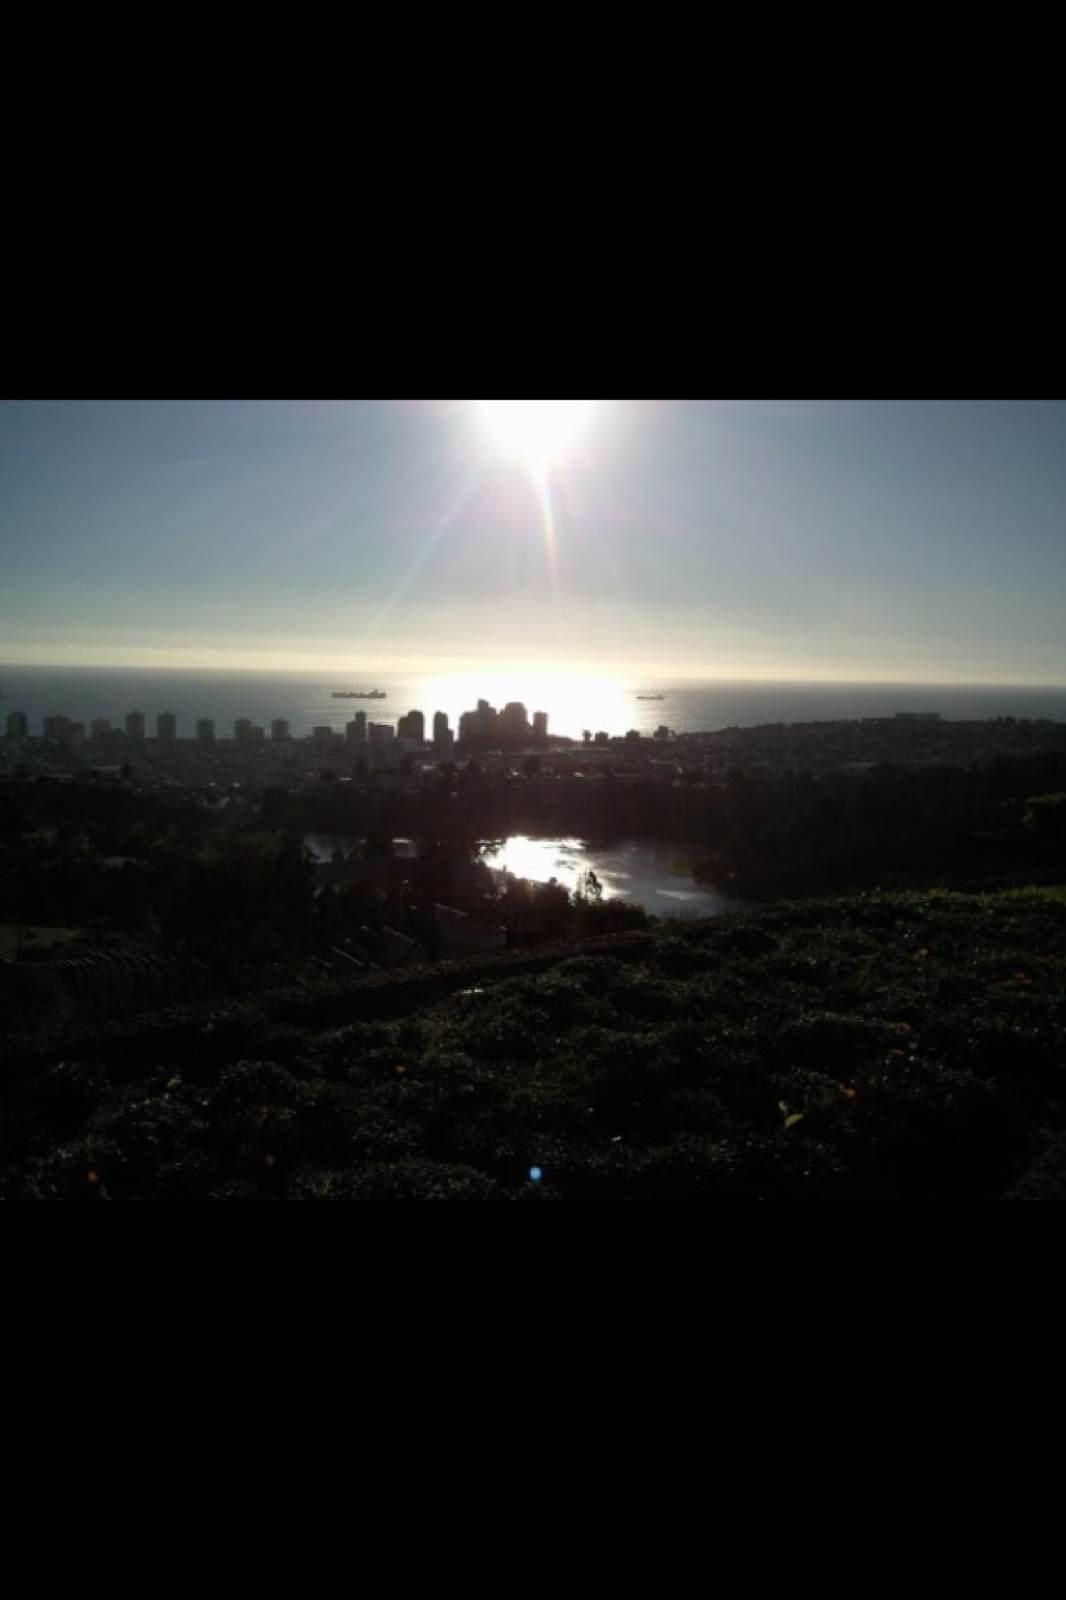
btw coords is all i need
(878, 1046)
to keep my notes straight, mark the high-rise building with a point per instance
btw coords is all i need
(540, 725)
(443, 737)
(602, 738)
(18, 725)
(100, 727)
(135, 725)
(205, 730)
(322, 734)
(380, 732)
(486, 721)
(514, 722)
(242, 730)
(166, 727)
(355, 731)
(413, 726)
(279, 729)
(57, 728)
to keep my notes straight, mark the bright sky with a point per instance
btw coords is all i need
(916, 541)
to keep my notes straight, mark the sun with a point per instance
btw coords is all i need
(536, 431)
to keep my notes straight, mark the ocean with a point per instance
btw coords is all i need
(573, 703)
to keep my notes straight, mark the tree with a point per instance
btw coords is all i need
(591, 889)
(1046, 815)
(274, 808)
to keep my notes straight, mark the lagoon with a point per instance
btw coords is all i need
(657, 877)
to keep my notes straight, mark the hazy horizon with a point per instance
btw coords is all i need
(466, 668)
(800, 542)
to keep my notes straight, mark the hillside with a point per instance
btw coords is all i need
(872, 1047)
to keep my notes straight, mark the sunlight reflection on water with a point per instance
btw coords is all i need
(648, 875)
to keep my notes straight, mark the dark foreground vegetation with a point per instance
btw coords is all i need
(174, 1023)
(876, 1046)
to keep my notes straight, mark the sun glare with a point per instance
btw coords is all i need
(537, 432)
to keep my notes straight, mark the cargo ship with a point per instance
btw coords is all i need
(358, 694)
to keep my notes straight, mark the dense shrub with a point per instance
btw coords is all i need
(880, 1046)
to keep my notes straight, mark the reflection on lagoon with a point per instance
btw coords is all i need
(656, 877)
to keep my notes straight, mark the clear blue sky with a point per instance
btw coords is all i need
(923, 541)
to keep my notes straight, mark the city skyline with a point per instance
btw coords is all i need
(510, 725)
(806, 541)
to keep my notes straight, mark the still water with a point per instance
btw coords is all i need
(657, 877)
(324, 846)
(573, 701)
